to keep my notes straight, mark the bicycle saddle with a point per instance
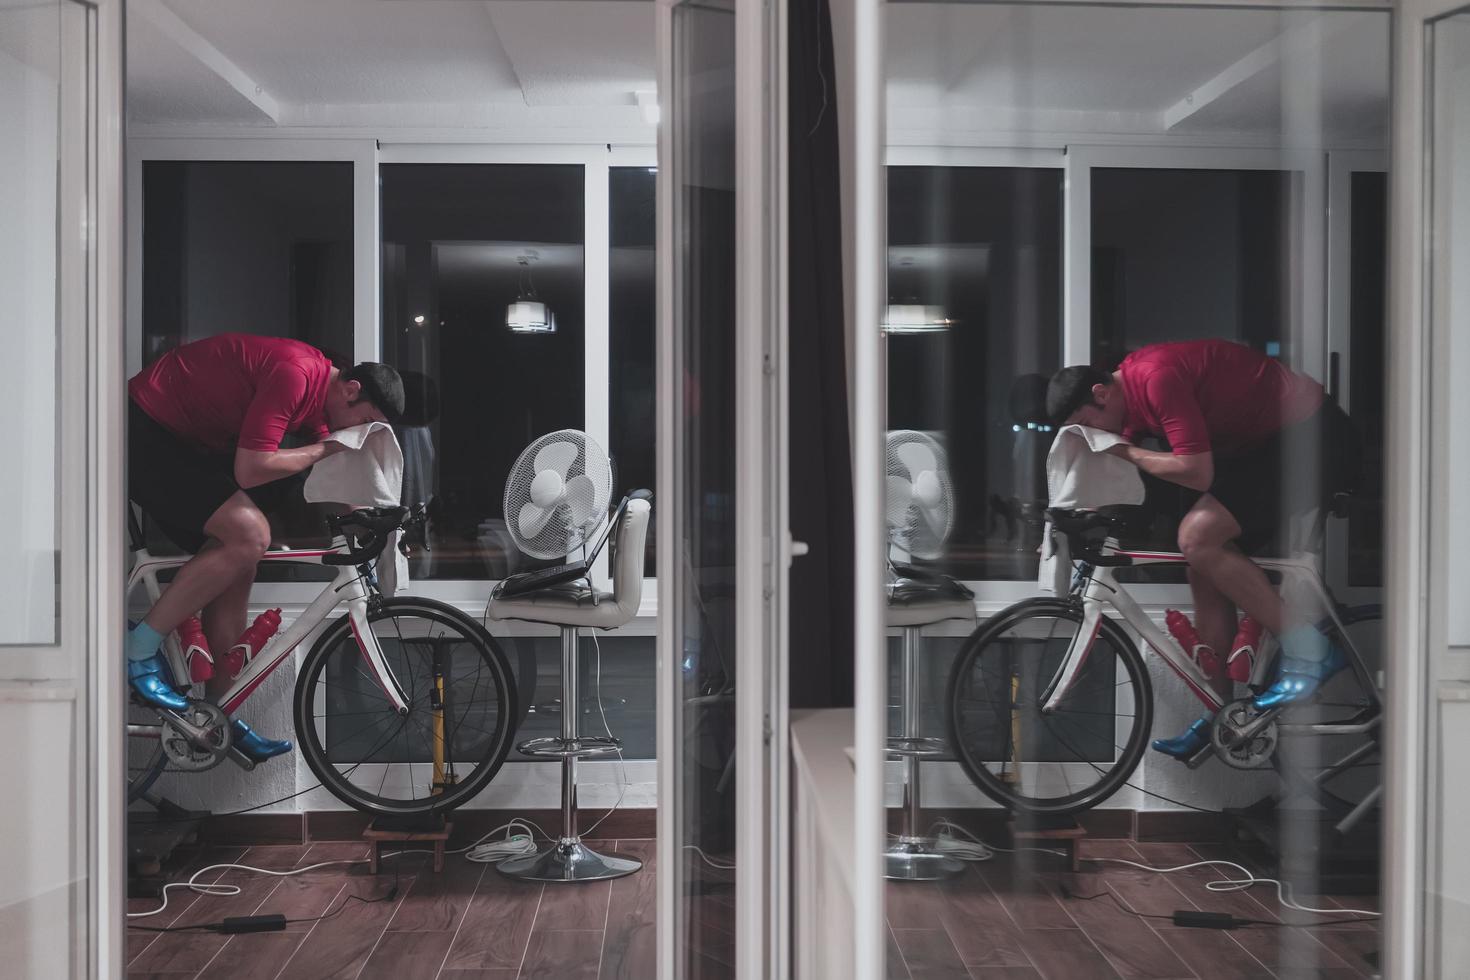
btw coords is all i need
(1116, 519)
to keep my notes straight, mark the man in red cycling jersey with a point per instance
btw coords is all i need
(1256, 444)
(205, 425)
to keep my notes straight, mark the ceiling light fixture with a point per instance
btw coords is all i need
(528, 314)
(905, 318)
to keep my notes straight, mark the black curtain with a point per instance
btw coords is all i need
(820, 465)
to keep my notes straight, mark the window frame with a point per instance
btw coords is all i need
(367, 155)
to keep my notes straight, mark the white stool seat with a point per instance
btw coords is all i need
(579, 606)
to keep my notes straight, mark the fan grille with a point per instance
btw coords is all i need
(557, 494)
(920, 504)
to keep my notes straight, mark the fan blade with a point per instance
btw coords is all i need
(918, 457)
(532, 519)
(581, 497)
(900, 496)
(557, 456)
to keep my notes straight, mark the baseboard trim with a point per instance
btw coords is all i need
(1139, 825)
(337, 825)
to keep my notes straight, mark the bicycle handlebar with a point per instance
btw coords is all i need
(370, 527)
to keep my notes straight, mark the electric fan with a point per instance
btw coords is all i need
(557, 494)
(920, 498)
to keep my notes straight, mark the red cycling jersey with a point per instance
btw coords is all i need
(1212, 395)
(237, 390)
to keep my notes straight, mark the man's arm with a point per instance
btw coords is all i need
(1195, 471)
(253, 468)
(259, 457)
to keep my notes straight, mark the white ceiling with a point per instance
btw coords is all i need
(388, 63)
(1043, 67)
(563, 65)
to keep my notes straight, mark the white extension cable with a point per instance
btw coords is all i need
(215, 888)
(512, 845)
(980, 851)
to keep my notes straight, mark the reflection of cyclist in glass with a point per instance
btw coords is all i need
(1257, 444)
(205, 423)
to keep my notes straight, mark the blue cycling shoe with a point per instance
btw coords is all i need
(150, 681)
(1194, 738)
(255, 745)
(1299, 679)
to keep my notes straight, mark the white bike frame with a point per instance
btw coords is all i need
(1300, 583)
(348, 586)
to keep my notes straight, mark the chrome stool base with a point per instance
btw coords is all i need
(568, 860)
(916, 860)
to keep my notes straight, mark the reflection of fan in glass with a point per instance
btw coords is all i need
(920, 498)
(557, 494)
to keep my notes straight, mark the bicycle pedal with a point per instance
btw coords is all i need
(1200, 757)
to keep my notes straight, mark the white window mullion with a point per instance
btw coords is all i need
(367, 338)
(1077, 257)
(595, 367)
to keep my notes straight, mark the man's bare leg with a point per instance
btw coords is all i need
(1215, 621)
(242, 534)
(1206, 537)
(224, 621)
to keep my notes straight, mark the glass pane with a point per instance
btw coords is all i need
(1156, 279)
(703, 127)
(463, 246)
(1118, 217)
(30, 53)
(632, 299)
(1368, 302)
(261, 248)
(980, 248)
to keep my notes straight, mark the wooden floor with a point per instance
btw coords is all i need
(467, 923)
(1016, 917)
(1024, 917)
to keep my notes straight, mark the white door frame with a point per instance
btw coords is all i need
(1410, 510)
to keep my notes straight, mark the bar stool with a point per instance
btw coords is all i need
(914, 603)
(572, 608)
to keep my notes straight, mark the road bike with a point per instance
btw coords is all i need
(1050, 702)
(403, 706)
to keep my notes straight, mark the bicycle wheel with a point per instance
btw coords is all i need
(1068, 760)
(374, 760)
(1338, 771)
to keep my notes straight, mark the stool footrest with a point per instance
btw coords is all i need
(916, 746)
(582, 747)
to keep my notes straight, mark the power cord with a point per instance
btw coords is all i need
(214, 888)
(1248, 880)
(513, 845)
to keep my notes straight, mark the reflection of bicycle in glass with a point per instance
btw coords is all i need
(1050, 703)
(402, 706)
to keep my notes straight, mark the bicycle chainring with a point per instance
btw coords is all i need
(187, 755)
(1233, 747)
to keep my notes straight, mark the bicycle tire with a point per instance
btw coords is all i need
(988, 633)
(491, 756)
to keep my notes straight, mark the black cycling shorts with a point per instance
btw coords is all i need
(1296, 470)
(179, 485)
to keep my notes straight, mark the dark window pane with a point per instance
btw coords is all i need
(1188, 255)
(632, 302)
(250, 247)
(985, 245)
(1367, 302)
(461, 242)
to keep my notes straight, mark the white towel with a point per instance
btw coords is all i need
(1082, 475)
(370, 474)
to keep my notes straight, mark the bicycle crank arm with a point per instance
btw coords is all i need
(1255, 726)
(196, 736)
(241, 759)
